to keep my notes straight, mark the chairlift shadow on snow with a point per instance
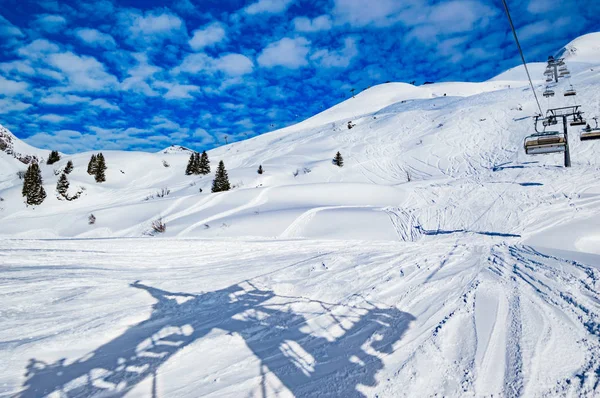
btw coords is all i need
(306, 364)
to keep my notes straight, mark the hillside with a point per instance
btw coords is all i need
(439, 260)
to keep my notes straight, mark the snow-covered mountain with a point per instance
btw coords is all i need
(492, 256)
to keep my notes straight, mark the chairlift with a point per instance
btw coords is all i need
(548, 80)
(570, 92)
(564, 74)
(578, 120)
(548, 93)
(545, 143)
(548, 72)
(589, 134)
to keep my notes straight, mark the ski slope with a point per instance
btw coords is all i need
(440, 260)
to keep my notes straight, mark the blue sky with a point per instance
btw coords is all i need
(79, 75)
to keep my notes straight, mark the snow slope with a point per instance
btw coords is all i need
(440, 260)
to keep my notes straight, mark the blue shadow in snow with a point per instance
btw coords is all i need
(531, 184)
(306, 364)
(457, 231)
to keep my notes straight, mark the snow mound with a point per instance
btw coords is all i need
(176, 149)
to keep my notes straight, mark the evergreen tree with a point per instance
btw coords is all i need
(100, 168)
(92, 165)
(338, 160)
(189, 170)
(33, 188)
(69, 167)
(53, 158)
(204, 166)
(260, 169)
(62, 186)
(221, 181)
(196, 166)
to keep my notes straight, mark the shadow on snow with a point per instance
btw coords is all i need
(457, 231)
(306, 364)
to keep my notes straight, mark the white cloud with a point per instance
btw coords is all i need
(140, 76)
(50, 23)
(268, 7)
(207, 36)
(104, 104)
(176, 91)
(365, 12)
(340, 58)
(11, 88)
(229, 64)
(162, 123)
(95, 38)
(151, 26)
(58, 99)
(84, 73)
(307, 25)
(202, 137)
(38, 49)
(18, 67)
(289, 53)
(7, 29)
(52, 118)
(234, 64)
(8, 105)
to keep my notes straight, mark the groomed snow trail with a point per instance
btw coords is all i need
(306, 318)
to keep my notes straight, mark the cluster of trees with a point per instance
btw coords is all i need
(198, 164)
(53, 158)
(97, 167)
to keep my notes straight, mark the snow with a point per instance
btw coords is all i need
(440, 260)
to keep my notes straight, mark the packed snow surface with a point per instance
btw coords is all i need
(439, 261)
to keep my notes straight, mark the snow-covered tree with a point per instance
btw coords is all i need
(92, 219)
(221, 181)
(68, 167)
(62, 186)
(33, 188)
(53, 158)
(338, 160)
(100, 168)
(204, 164)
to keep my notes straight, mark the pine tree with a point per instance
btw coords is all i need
(62, 186)
(221, 181)
(100, 168)
(338, 160)
(196, 166)
(92, 165)
(53, 158)
(68, 167)
(33, 188)
(260, 169)
(189, 170)
(204, 166)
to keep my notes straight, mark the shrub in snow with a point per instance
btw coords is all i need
(53, 158)
(338, 160)
(33, 189)
(166, 164)
(221, 181)
(295, 173)
(260, 169)
(21, 174)
(350, 125)
(163, 192)
(159, 226)
(92, 219)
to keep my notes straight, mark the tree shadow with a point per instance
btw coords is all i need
(306, 362)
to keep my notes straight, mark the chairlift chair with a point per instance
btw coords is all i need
(589, 134)
(548, 93)
(548, 80)
(578, 120)
(545, 143)
(570, 92)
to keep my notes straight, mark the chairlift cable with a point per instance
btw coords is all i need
(512, 26)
